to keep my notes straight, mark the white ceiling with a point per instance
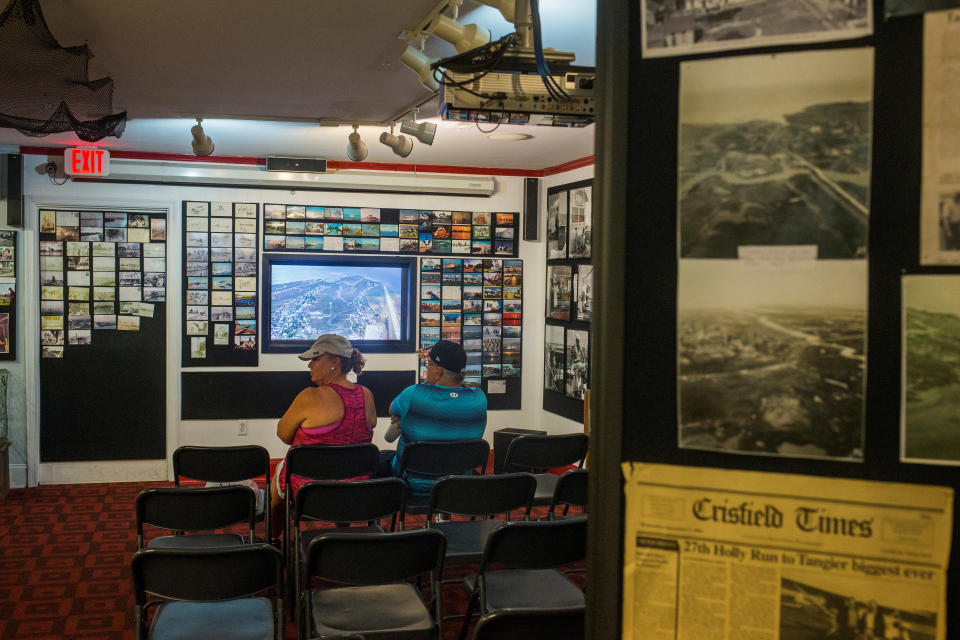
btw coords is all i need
(276, 66)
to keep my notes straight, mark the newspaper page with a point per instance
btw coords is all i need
(731, 555)
(940, 182)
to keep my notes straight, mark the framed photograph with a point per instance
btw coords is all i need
(577, 362)
(559, 286)
(554, 358)
(557, 225)
(580, 224)
(584, 293)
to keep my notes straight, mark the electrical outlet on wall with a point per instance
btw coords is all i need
(243, 428)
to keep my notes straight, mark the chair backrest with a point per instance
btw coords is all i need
(532, 624)
(221, 464)
(445, 457)
(206, 575)
(482, 495)
(186, 509)
(358, 501)
(331, 462)
(571, 489)
(546, 451)
(536, 544)
(376, 558)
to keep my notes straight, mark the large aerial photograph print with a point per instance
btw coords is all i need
(773, 214)
(358, 303)
(768, 164)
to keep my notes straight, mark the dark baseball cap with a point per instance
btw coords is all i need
(449, 355)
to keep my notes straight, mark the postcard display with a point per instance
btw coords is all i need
(477, 302)
(569, 299)
(102, 334)
(370, 230)
(220, 284)
(8, 295)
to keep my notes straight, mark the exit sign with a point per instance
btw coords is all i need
(83, 161)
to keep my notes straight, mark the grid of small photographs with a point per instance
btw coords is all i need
(99, 271)
(367, 230)
(220, 283)
(8, 288)
(569, 290)
(477, 302)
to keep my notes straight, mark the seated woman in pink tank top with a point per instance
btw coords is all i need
(336, 411)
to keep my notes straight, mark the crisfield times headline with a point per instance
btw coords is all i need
(749, 556)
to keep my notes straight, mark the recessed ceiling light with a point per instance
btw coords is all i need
(509, 137)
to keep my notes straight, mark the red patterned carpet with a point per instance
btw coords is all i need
(64, 564)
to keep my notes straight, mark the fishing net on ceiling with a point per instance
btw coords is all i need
(44, 88)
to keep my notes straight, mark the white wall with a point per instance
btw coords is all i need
(40, 191)
(549, 422)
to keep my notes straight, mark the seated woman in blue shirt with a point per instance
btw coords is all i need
(441, 409)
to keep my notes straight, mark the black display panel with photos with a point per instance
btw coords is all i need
(220, 280)
(321, 229)
(369, 300)
(8, 295)
(569, 300)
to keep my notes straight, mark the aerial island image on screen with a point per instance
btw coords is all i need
(358, 303)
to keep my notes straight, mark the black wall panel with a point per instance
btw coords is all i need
(650, 373)
(267, 394)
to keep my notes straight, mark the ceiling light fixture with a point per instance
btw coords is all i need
(202, 144)
(420, 63)
(463, 38)
(507, 8)
(356, 148)
(401, 145)
(424, 132)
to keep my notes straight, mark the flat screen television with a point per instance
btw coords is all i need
(370, 301)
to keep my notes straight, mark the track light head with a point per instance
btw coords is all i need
(424, 132)
(202, 144)
(356, 148)
(507, 8)
(401, 145)
(463, 38)
(420, 63)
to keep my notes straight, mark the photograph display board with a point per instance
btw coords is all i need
(220, 280)
(8, 295)
(672, 28)
(371, 230)
(478, 303)
(99, 271)
(930, 399)
(102, 334)
(569, 308)
(773, 212)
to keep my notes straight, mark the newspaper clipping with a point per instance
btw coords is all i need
(730, 555)
(940, 204)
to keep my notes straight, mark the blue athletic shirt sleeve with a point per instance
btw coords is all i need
(401, 404)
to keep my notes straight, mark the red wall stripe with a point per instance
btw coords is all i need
(336, 164)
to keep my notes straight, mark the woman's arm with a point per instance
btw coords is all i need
(292, 419)
(369, 408)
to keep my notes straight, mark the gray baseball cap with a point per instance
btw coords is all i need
(328, 343)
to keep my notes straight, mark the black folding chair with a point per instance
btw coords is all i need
(208, 593)
(537, 454)
(225, 465)
(571, 490)
(530, 552)
(378, 600)
(361, 501)
(532, 624)
(477, 497)
(181, 509)
(438, 458)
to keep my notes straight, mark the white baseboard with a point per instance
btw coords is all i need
(18, 476)
(105, 471)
